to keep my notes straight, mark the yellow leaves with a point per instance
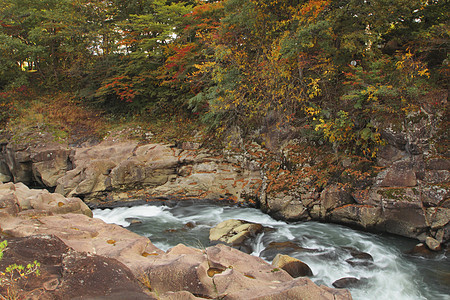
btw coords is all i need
(204, 67)
(370, 91)
(314, 89)
(424, 72)
(408, 55)
(311, 111)
(312, 8)
(411, 67)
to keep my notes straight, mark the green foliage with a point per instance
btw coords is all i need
(15, 272)
(3, 246)
(341, 67)
(344, 67)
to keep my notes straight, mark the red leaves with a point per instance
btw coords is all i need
(122, 87)
(314, 7)
(177, 62)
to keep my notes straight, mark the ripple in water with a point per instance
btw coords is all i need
(392, 275)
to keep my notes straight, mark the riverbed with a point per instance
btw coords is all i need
(391, 275)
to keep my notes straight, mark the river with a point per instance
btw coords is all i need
(392, 275)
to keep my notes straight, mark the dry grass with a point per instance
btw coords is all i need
(62, 113)
(70, 120)
(58, 114)
(144, 279)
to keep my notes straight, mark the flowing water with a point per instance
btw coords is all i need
(393, 275)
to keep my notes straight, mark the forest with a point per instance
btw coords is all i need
(334, 71)
(266, 119)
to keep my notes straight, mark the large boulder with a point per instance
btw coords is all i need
(286, 248)
(182, 268)
(66, 273)
(20, 198)
(34, 163)
(91, 168)
(334, 196)
(349, 282)
(48, 165)
(215, 272)
(295, 267)
(237, 233)
(248, 277)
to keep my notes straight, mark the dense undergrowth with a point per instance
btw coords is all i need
(325, 72)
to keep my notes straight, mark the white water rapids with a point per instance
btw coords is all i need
(392, 276)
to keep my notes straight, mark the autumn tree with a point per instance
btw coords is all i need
(337, 67)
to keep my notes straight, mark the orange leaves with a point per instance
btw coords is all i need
(313, 7)
(122, 87)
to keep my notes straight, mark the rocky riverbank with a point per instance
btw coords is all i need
(405, 193)
(83, 257)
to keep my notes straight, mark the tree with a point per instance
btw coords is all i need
(339, 67)
(134, 78)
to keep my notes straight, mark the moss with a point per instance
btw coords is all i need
(395, 194)
(275, 270)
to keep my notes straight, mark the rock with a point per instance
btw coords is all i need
(287, 248)
(235, 232)
(389, 154)
(355, 253)
(421, 250)
(359, 258)
(299, 288)
(182, 295)
(348, 282)
(8, 204)
(92, 167)
(334, 196)
(286, 207)
(21, 198)
(433, 244)
(68, 274)
(404, 218)
(85, 234)
(50, 164)
(181, 268)
(249, 277)
(364, 216)
(434, 195)
(5, 174)
(189, 225)
(224, 271)
(295, 267)
(438, 164)
(354, 262)
(401, 174)
(437, 176)
(189, 145)
(438, 217)
(215, 272)
(35, 163)
(17, 158)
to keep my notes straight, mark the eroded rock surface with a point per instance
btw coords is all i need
(295, 267)
(406, 193)
(89, 258)
(66, 273)
(236, 233)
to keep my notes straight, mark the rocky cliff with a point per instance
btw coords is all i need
(405, 192)
(84, 258)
